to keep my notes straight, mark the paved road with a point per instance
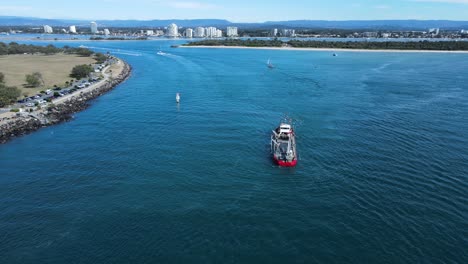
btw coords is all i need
(5, 112)
(65, 91)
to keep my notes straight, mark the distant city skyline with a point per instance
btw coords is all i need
(241, 10)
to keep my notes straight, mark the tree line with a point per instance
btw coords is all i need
(238, 42)
(118, 38)
(8, 94)
(397, 45)
(15, 48)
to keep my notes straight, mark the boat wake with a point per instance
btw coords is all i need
(114, 51)
(165, 54)
(127, 53)
(382, 67)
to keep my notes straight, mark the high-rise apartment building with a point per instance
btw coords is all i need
(172, 31)
(94, 28)
(199, 32)
(189, 33)
(48, 29)
(72, 29)
(231, 32)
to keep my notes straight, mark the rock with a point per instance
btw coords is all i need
(59, 113)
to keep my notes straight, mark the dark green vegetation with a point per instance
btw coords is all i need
(15, 48)
(7, 94)
(400, 45)
(117, 38)
(100, 58)
(410, 45)
(34, 79)
(81, 71)
(238, 42)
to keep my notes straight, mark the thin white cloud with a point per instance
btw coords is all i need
(444, 1)
(382, 7)
(14, 8)
(191, 5)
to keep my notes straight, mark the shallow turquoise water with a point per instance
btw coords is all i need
(382, 175)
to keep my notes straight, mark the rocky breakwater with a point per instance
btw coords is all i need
(25, 123)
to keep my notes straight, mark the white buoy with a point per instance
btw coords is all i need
(177, 97)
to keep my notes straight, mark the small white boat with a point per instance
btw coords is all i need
(177, 97)
(161, 53)
(269, 64)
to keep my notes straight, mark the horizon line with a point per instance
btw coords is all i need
(258, 22)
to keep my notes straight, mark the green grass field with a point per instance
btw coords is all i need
(55, 69)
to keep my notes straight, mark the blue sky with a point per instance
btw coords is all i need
(240, 10)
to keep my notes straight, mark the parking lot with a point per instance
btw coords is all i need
(47, 96)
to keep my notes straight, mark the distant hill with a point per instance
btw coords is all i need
(31, 21)
(324, 24)
(28, 21)
(373, 24)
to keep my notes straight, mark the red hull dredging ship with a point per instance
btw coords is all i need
(283, 146)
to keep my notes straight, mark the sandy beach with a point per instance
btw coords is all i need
(328, 49)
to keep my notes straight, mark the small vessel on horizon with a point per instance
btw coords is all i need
(283, 145)
(177, 98)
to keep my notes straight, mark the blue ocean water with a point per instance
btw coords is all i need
(382, 175)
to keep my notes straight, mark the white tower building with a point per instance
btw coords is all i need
(211, 32)
(199, 32)
(434, 31)
(48, 29)
(274, 32)
(106, 32)
(172, 31)
(231, 32)
(94, 28)
(72, 29)
(189, 33)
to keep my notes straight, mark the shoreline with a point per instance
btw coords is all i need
(329, 49)
(61, 109)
